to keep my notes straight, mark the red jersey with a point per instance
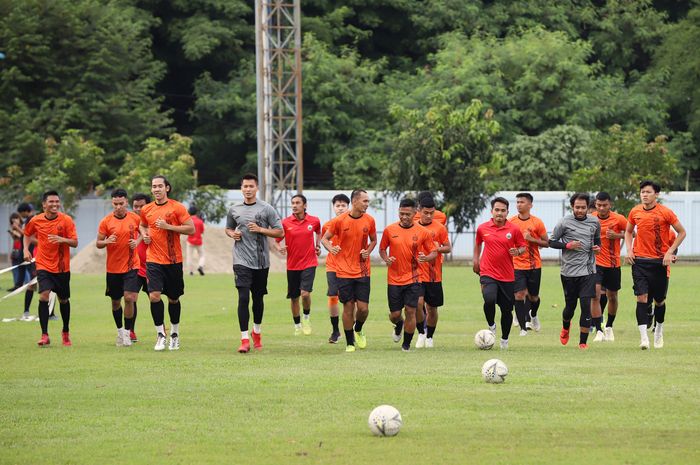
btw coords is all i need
(120, 257)
(141, 251)
(352, 235)
(330, 258)
(196, 238)
(165, 247)
(431, 272)
(531, 259)
(301, 242)
(609, 256)
(404, 244)
(653, 230)
(496, 261)
(54, 258)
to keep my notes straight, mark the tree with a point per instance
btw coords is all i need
(445, 150)
(72, 167)
(619, 159)
(544, 162)
(210, 201)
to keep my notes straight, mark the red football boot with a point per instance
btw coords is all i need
(44, 341)
(257, 340)
(245, 346)
(564, 336)
(66, 339)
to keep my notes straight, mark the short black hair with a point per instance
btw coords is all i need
(301, 196)
(340, 198)
(141, 196)
(24, 207)
(192, 210)
(526, 195)
(580, 196)
(249, 177)
(499, 200)
(648, 182)
(603, 196)
(427, 202)
(47, 194)
(165, 181)
(356, 193)
(119, 193)
(406, 202)
(424, 195)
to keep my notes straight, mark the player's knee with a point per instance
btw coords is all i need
(612, 298)
(154, 297)
(642, 299)
(658, 304)
(63, 301)
(305, 294)
(521, 295)
(116, 305)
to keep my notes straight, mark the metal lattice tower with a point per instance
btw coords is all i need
(278, 63)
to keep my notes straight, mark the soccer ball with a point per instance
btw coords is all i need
(484, 339)
(385, 420)
(494, 371)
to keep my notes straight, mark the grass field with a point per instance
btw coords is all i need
(302, 400)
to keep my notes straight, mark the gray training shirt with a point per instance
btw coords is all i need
(579, 262)
(253, 250)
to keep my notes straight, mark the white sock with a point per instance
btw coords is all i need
(160, 329)
(307, 316)
(659, 331)
(493, 328)
(174, 327)
(296, 325)
(643, 332)
(244, 335)
(257, 328)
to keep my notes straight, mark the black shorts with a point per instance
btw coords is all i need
(166, 279)
(433, 295)
(251, 278)
(608, 278)
(118, 283)
(528, 279)
(56, 282)
(403, 296)
(332, 284)
(143, 283)
(300, 280)
(650, 278)
(353, 289)
(576, 287)
(500, 292)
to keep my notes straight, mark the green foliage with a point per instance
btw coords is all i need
(618, 160)
(544, 162)
(446, 150)
(172, 159)
(210, 201)
(72, 167)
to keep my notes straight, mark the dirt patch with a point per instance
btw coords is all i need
(217, 248)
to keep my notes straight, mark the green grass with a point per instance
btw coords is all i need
(303, 400)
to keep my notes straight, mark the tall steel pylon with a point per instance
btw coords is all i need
(278, 63)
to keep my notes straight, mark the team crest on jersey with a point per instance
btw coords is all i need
(310, 228)
(415, 238)
(509, 236)
(365, 229)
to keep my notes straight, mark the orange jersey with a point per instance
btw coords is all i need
(438, 216)
(609, 255)
(54, 258)
(531, 259)
(165, 247)
(352, 235)
(653, 230)
(404, 244)
(330, 258)
(120, 257)
(431, 272)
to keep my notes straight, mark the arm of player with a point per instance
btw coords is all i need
(370, 247)
(385, 257)
(55, 239)
(186, 228)
(680, 230)
(595, 248)
(628, 243)
(103, 240)
(477, 257)
(326, 241)
(542, 241)
(27, 241)
(143, 229)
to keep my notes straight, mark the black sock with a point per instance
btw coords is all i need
(534, 306)
(407, 338)
(598, 323)
(174, 310)
(117, 315)
(603, 301)
(28, 300)
(398, 327)
(129, 324)
(158, 312)
(307, 311)
(358, 325)
(133, 320)
(334, 323)
(506, 321)
(490, 313)
(258, 309)
(660, 313)
(297, 320)
(243, 312)
(65, 315)
(431, 331)
(521, 313)
(349, 337)
(566, 324)
(421, 327)
(643, 310)
(583, 337)
(611, 320)
(44, 316)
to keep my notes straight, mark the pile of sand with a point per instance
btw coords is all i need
(217, 249)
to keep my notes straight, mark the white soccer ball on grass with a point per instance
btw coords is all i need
(484, 339)
(385, 420)
(494, 371)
